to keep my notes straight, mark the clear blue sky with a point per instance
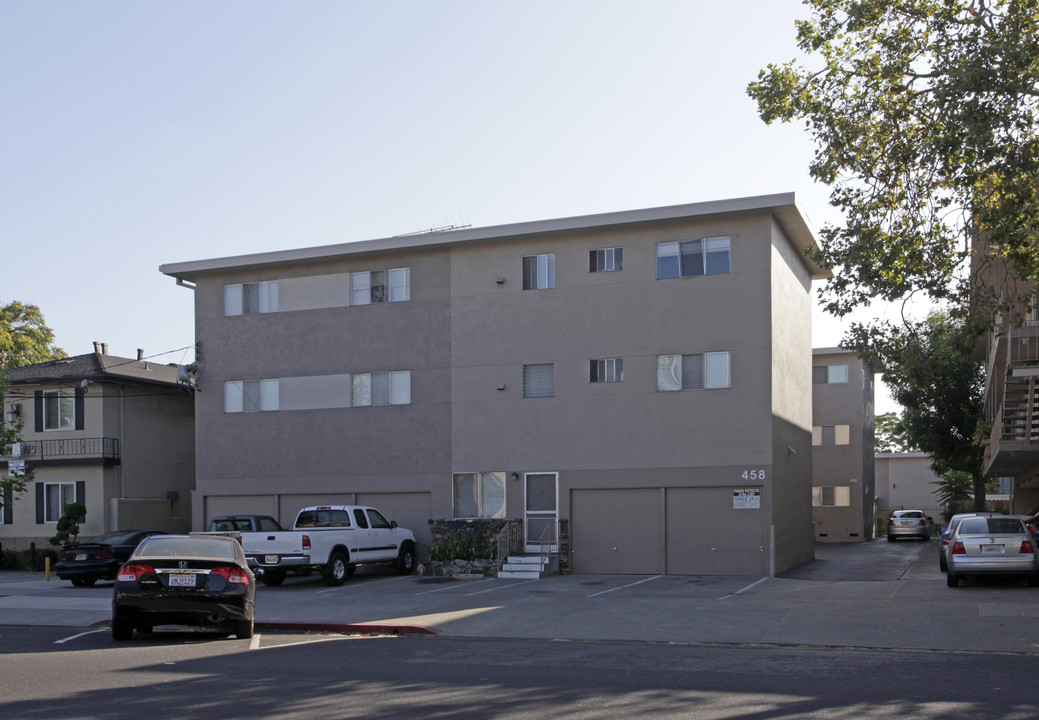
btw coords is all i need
(140, 133)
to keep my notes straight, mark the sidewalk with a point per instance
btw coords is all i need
(871, 595)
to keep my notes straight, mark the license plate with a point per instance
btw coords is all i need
(992, 549)
(270, 559)
(182, 580)
(81, 556)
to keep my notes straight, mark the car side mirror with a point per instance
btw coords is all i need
(393, 523)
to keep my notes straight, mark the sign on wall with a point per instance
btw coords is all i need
(746, 498)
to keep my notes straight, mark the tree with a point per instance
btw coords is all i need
(68, 523)
(888, 434)
(925, 115)
(930, 372)
(24, 339)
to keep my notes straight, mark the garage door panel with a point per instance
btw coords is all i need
(616, 531)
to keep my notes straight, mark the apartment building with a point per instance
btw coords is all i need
(639, 382)
(843, 469)
(114, 433)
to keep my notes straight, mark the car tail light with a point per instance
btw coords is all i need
(104, 555)
(890, 522)
(61, 555)
(231, 574)
(958, 549)
(923, 522)
(306, 542)
(1026, 548)
(130, 573)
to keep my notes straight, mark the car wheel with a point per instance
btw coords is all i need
(952, 579)
(405, 563)
(83, 582)
(272, 578)
(243, 629)
(336, 570)
(942, 565)
(122, 629)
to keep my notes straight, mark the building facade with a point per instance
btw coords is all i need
(639, 381)
(114, 433)
(843, 471)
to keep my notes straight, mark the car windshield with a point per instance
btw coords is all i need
(993, 526)
(187, 546)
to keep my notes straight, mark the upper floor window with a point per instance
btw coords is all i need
(606, 370)
(839, 496)
(378, 286)
(250, 395)
(606, 260)
(696, 371)
(59, 410)
(539, 272)
(688, 258)
(831, 435)
(381, 388)
(539, 380)
(249, 298)
(828, 374)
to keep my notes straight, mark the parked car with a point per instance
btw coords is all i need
(997, 545)
(947, 532)
(908, 523)
(244, 523)
(98, 558)
(196, 580)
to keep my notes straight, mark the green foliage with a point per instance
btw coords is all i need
(24, 337)
(68, 523)
(23, 560)
(954, 487)
(889, 436)
(458, 542)
(925, 117)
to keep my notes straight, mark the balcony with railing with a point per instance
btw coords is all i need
(1012, 402)
(67, 451)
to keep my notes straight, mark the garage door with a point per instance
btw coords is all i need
(706, 535)
(617, 531)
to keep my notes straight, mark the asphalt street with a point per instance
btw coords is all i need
(868, 595)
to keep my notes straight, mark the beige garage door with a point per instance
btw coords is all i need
(707, 536)
(617, 531)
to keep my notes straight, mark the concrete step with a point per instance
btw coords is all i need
(519, 574)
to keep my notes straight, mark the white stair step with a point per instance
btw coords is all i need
(519, 575)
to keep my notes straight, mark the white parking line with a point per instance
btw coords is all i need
(622, 587)
(356, 586)
(73, 637)
(743, 590)
(500, 587)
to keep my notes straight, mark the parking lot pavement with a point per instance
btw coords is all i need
(878, 594)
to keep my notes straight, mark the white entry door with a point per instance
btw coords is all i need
(541, 511)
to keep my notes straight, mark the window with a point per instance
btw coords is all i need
(381, 388)
(839, 496)
(539, 381)
(606, 260)
(689, 258)
(378, 286)
(479, 495)
(697, 371)
(56, 497)
(250, 396)
(831, 435)
(606, 370)
(249, 298)
(539, 272)
(59, 410)
(6, 513)
(829, 374)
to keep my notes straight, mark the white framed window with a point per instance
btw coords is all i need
(831, 435)
(251, 396)
(478, 495)
(380, 388)
(250, 298)
(56, 496)
(606, 370)
(829, 374)
(539, 380)
(59, 410)
(539, 272)
(693, 371)
(379, 286)
(838, 496)
(689, 258)
(606, 260)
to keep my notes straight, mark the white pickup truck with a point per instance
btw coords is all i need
(332, 539)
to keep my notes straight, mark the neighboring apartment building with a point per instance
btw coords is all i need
(113, 433)
(638, 382)
(843, 474)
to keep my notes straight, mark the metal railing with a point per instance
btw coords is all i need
(503, 543)
(546, 544)
(38, 450)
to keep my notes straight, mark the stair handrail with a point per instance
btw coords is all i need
(546, 545)
(503, 544)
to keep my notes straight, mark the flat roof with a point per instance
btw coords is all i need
(783, 207)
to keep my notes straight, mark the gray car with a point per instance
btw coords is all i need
(908, 523)
(947, 532)
(998, 545)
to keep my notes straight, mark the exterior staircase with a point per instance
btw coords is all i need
(528, 567)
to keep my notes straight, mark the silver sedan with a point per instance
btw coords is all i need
(908, 523)
(998, 545)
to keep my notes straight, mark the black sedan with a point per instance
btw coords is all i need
(98, 558)
(196, 580)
